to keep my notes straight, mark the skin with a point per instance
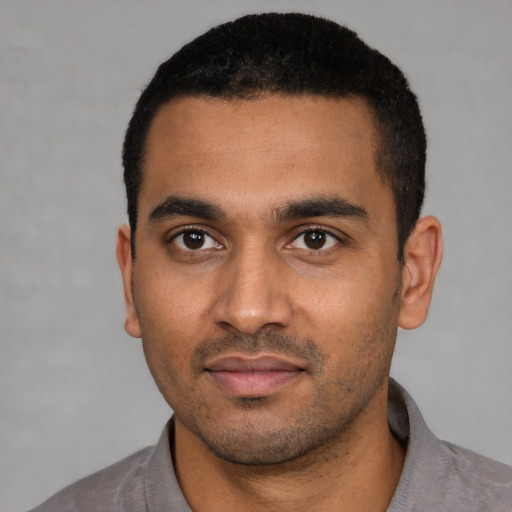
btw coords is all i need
(246, 272)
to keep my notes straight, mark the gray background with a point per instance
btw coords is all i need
(75, 391)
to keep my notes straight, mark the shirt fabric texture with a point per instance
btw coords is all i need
(437, 476)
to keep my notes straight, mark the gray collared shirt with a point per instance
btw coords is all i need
(437, 476)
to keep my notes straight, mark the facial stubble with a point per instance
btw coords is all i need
(263, 438)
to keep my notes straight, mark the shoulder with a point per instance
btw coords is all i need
(464, 481)
(438, 475)
(143, 481)
(113, 488)
(477, 478)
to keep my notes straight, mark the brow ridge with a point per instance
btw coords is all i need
(320, 206)
(175, 206)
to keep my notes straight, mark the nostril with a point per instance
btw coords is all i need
(226, 326)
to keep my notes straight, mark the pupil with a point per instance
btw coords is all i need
(194, 239)
(315, 239)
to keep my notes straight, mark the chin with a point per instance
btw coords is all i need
(269, 441)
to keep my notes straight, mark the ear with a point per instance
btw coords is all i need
(125, 261)
(423, 253)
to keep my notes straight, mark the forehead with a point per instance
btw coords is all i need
(257, 152)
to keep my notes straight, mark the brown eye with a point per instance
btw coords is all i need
(315, 240)
(194, 240)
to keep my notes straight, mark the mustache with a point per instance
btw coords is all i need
(266, 341)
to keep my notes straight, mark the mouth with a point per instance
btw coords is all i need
(252, 376)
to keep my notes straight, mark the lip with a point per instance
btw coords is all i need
(247, 376)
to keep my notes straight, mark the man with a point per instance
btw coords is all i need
(274, 170)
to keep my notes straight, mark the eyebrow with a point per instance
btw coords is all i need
(321, 207)
(175, 206)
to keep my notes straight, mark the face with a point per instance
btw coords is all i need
(266, 286)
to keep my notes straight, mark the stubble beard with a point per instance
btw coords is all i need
(327, 420)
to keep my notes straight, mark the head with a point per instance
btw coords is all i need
(295, 55)
(270, 188)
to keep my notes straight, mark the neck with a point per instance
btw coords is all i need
(358, 471)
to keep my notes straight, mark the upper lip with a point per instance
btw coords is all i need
(250, 364)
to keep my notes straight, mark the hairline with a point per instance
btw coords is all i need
(263, 93)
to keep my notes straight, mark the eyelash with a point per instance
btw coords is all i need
(299, 233)
(190, 230)
(317, 229)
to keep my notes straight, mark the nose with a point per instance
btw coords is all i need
(253, 293)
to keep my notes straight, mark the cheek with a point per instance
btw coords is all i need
(347, 296)
(172, 319)
(171, 304)
(350, 308)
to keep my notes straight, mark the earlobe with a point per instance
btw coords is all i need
(125, 261)
(422, 257)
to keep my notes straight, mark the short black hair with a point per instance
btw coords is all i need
(292, 54)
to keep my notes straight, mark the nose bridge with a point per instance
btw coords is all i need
(253, 292)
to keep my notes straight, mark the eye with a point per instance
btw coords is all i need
(314, 240)
(193, 240)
